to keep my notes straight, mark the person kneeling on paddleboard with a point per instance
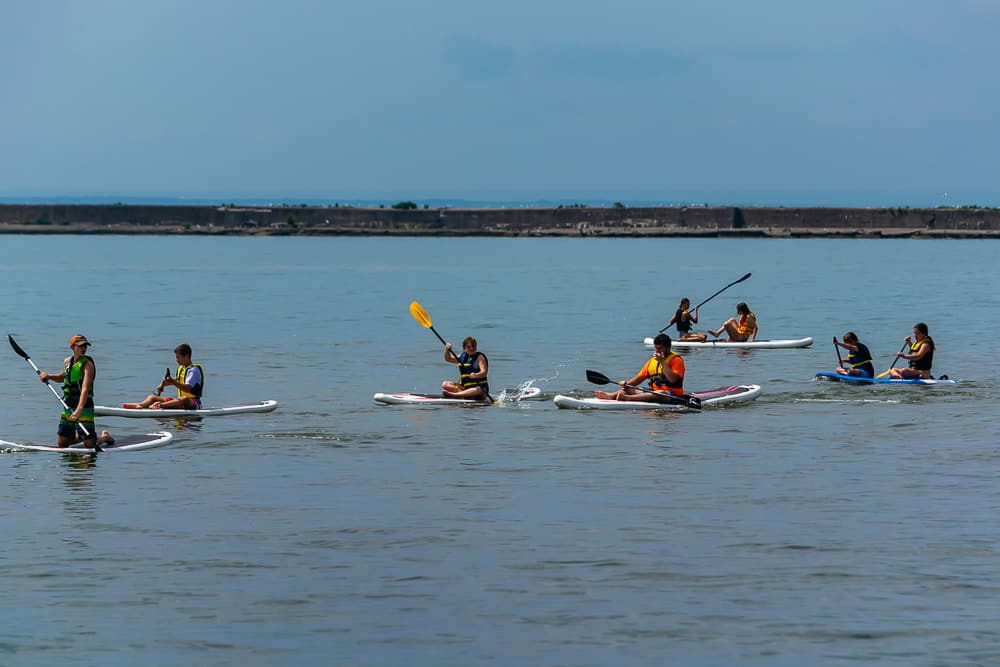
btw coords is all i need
(473, 367)
(683, 319)
(665, 372)
(920, 356)
(76, 423)
(190, 382)
(739, 330)
(859, 358)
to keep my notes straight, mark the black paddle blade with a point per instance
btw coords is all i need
(599, 378)
(693, 402)
(17, 348)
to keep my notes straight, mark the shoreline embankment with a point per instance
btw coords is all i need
(571, 221)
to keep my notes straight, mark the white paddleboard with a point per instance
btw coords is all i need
(713, 398)
(758, 344)
(122, 443)
(437, 399)
(108, 411)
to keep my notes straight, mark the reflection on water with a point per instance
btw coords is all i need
(78, 478)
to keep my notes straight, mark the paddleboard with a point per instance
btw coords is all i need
(712, 398)
(854, 379)
(122, 443)
(755, 344)
(263, 406)
(437, 399)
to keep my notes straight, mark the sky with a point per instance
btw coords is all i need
(773, 102)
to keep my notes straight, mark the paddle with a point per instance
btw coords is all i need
(24, 355)
(898, 355)
(424, 320)
(712, 297)
(159, 389)
(686, 400)
(840, 361)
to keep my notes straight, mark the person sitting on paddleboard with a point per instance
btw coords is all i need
(920, 356)
(79, 373)
(664, 370)
(859, 358)
(473, 367)
(190, 382)
(683, 318)
(742, 329)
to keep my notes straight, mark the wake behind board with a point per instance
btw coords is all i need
(712, 398)
(437, 399)
(754, 344)
(854, 379)
(262, 406)
(122, 443)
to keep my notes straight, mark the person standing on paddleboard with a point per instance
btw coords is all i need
(664, 370)
(473, 368)
(859, 358)
(77, 377)
(683, 319)
(741, 328)
(190, 381)
(920, 356)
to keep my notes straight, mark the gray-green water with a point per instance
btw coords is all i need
(821, 524)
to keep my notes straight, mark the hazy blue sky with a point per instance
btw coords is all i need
(721, 101)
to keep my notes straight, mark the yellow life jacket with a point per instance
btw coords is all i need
(197, 390)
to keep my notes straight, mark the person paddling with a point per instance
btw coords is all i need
(859, 358)
(473, 368)
(741, 328)
(78, 377)
(683, 319)
(190, 382)
(920, 356)
(664, 370)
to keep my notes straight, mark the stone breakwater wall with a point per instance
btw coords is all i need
(722, 221)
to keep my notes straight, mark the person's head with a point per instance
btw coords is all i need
(661, 345)
(79, 344)
(742, 308)
(851, 337)
(920, 330)
(182, 351)
(469, 344)
(685, 303)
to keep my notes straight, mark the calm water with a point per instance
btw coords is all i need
(821, 524)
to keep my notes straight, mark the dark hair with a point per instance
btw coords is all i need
(850, 337)
(741, 307)
(663, 340)
(470, 339)
(685, 300)
(183, 349)
(921, 327)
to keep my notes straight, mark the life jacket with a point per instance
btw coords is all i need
(73, 382)
(468, 364)
(658, 381)
(861, 359)
(197, 390)
(923, 363)
(683, 325)
(743, 328)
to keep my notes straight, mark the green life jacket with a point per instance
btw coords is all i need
(73, 382)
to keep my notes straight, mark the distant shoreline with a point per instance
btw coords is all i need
(573, 221)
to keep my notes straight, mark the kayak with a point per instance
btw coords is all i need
(712, 398)
(854, 379)
(749, 344)
(122, 443)
(437, 399)
(262, 406)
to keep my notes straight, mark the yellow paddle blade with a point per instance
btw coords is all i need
(881, 375)
(420, 315)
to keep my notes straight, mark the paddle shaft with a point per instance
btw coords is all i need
(24, 355)
(893, 365)
(712, 297)
(840, 360)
